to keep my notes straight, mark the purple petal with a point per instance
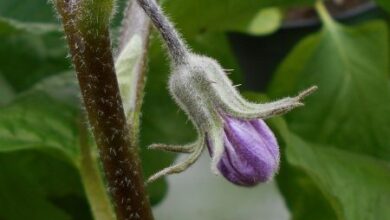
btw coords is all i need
(251, 152)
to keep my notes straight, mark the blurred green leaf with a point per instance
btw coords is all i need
(385, 4)
(219, 15)
(298, 189)
(29, 52)
(28, 11)
(37, 121)
(350, 67)
(37, 187)
(340, 165)
(6, 92)
(46, 118)
(62, 87)
(265, 21)
(356, 186)
(38, 157)
(11, 26)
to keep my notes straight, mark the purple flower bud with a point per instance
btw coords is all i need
(244, 150)
(251, 152)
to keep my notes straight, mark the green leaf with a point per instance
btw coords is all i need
(265, 21)
(47, 117)
(36, 121)
(302, 195)
(350, 67)
(11, 26)
(338, 162)
(40, 155)
(385, 4)
(125, 67)
(356, 186)
(38, 186)
(29, 52)
(6, 92)
(28, 11)
(62, 87)
(219, 15)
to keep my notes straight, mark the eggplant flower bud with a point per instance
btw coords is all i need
(251, 152)
(243, 148)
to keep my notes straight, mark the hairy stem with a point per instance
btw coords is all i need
(176, 46)
(94, 187)
(86, 24)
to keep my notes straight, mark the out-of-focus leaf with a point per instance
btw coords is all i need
(219, 15)
(47, 117)
(298, 188)
(37, 187)
(62, 87)
(350, 67)
(10, 26)
(28, 11)
(37, 121)
(39, 154)
(264, 22)
(7, 93)
(385, 4)
(29, 52)
(342, 166)
(356, 186)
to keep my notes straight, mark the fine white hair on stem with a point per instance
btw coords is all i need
(176, 46)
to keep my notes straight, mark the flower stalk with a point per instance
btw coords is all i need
(86, 26)
(177, 48)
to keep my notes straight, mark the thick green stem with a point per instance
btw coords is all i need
(93, 183)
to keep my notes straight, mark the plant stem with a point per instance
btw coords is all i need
(93, 183)
(87, 30)
(176, 46)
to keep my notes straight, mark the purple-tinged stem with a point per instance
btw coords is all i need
(86, 26)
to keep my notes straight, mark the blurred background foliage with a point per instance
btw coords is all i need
(335, 151)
